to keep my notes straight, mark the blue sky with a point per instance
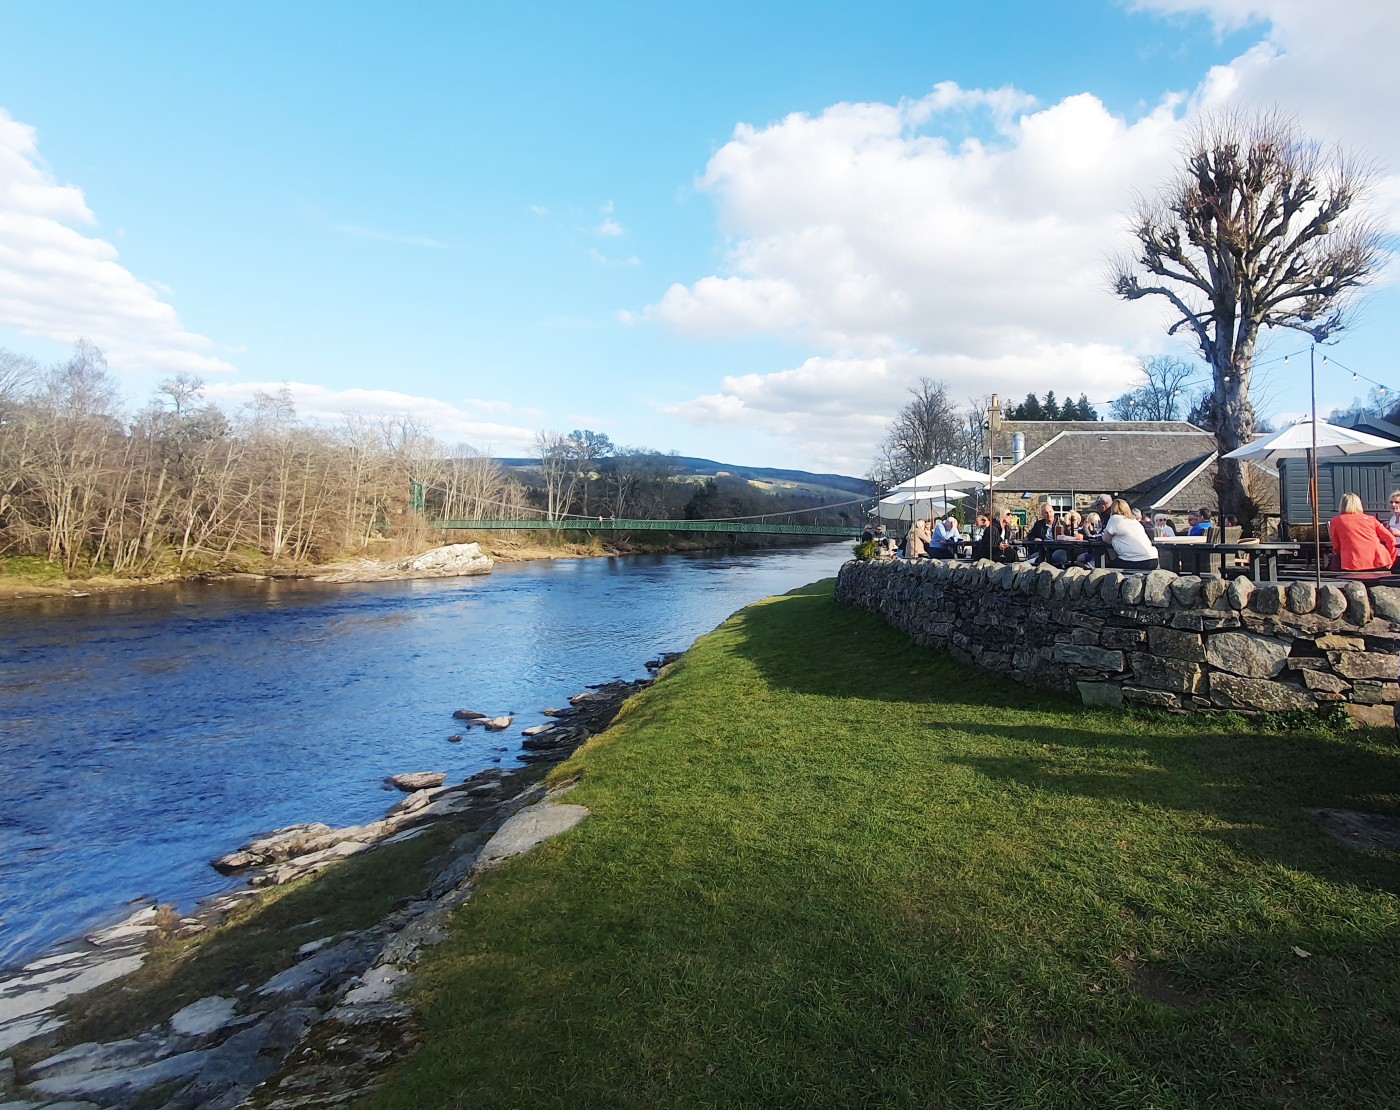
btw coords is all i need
(734, 230)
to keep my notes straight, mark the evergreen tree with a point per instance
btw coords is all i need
(1029, 409)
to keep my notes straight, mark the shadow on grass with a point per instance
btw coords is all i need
(806, 643)
(1259, 783)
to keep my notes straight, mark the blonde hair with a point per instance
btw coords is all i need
(1351, 503)
(1122, 508)
(1091, 517)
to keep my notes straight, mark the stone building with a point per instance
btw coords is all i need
(1158, 465)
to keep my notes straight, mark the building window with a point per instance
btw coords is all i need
(1061, 502)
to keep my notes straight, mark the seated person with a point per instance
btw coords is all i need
(917, 539)
(1200, 523)
(1002, 538)
(1163, 524)
(1359, 540)
(1145, 519)
(1132, 550)
(1394, 523)
(1073, 522)
(979, 528)
(1090, 528)
(942, 544)
(1045, 529)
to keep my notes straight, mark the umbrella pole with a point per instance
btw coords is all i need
(1312, 470)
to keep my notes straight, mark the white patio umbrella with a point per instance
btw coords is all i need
(940, 476)
(945, 477)
(1310, 439)
(916, 504)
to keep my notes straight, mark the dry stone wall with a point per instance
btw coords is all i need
(1177, 642)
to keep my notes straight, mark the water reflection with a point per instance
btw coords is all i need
(147, 731)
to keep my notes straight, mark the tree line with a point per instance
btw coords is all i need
(183, 485)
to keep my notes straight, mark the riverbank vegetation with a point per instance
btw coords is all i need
(827, 869)
(184, 489)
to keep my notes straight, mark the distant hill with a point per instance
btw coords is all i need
(759, 475)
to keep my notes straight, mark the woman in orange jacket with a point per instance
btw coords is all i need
(1359, 540)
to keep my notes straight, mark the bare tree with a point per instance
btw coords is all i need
(929, 429)
(589, 449)
(1161, 395)
(557, 465)
(1262, 228)
(77, 437)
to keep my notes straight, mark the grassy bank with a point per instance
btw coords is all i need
(826, 868)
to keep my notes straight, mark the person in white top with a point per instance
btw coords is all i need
(1132, 550)
(1394, 523)
(1163, 524)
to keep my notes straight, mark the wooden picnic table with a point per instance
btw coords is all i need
(1191, 556)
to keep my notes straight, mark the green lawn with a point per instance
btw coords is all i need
(827, 868)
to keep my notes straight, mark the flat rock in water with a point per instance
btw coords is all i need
(283, 843)
(497, 724)
(469, 715)
(421, 780)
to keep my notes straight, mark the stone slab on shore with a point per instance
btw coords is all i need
(451, 561)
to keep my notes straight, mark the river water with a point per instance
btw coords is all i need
(145, 732)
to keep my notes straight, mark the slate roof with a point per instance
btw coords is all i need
(1156, 465)
(1038, 433)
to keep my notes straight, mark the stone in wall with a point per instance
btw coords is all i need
(1157, 673)
(1233, 692)
(1243, 653)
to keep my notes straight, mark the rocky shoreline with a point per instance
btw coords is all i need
(323, 1030)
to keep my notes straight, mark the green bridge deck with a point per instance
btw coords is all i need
(726, 526)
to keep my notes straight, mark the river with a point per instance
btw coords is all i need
(144, 732)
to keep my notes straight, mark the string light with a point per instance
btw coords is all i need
(1131, 402)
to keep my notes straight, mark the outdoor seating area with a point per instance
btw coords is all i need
(1035, 510)
(1054, 541)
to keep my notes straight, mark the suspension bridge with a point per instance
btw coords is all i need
(608, 524)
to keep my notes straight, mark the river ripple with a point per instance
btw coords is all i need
(145, 732)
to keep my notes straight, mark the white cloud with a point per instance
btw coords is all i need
(60, 283)
(604, 260)
(964, 235)
(609, 228)
(464, 423)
